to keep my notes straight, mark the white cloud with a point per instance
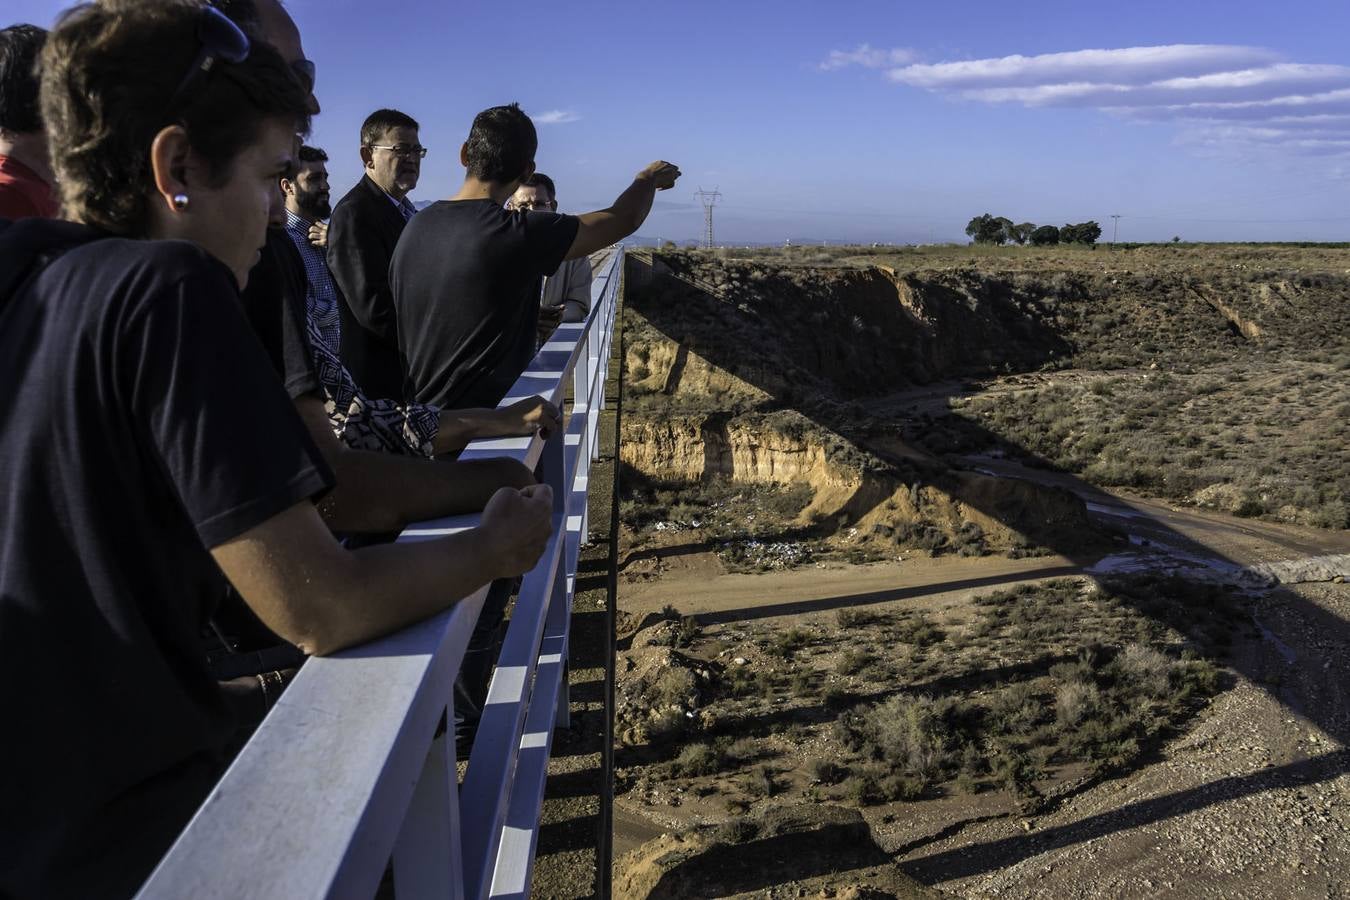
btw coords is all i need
(868, 57)
(1129, 65)
(556, 117)
(1220, 94)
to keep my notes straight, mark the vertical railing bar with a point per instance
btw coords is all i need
(427, 861)
(559, 617)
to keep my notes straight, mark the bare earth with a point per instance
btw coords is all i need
(1250, 802)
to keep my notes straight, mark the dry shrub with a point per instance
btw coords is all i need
(697, 759)
(1145, 667)
(912, 734)
(1075, 701)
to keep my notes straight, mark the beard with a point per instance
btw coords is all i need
(314, 205)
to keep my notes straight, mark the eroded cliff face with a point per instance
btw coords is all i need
(740, 375)
(852, 494)
(754, 335)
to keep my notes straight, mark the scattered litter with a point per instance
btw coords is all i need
(765, 555)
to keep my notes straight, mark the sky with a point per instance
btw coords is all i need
(891, 122)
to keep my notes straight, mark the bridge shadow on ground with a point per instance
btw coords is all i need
(1308, 687)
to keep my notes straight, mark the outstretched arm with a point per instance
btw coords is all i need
(323, 598)
(603, 227)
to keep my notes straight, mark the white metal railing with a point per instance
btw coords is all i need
(346, 772)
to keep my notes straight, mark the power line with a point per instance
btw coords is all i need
(709, 200)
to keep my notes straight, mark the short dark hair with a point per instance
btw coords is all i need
(381, 122)
(109, 71)
(310, 154)
(539, 179)
(501, 144)
(20, 49)
(243, 13)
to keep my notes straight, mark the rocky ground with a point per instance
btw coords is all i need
(1253, 801)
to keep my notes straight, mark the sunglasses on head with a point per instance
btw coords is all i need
(221, 41)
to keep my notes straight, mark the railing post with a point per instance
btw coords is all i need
(582, 401)
(427, 861)
(553, 470)
(557, 622)
(582, 406)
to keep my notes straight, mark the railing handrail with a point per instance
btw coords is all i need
(346, 770)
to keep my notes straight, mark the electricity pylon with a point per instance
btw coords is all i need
(709, 200)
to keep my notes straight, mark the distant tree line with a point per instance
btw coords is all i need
(990, 229)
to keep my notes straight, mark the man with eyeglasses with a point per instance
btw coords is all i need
(566, 295)
(364, 230)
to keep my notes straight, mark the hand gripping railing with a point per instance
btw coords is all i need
(346, 770)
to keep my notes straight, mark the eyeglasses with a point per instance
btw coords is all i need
(221, 41)
(403, 151)
(530, 205)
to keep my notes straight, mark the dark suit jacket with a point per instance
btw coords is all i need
(361, 238)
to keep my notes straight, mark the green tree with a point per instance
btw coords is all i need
(1046, 234)
(1008, 229)
(1082, 233)
(986, 229)
(1021, 232)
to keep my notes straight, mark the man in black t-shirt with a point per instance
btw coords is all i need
(109, 501)
(126, 488)
(466, 274)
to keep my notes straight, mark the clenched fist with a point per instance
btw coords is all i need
(662, 173)
(528, 416)
(516, 524)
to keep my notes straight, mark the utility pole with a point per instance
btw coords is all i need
(709, 200)
(1115, 228)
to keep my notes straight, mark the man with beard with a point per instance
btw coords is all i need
(306, 207)
(365, 228)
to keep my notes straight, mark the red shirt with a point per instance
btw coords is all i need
(23, 194)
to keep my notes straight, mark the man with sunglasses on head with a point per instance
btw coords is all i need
(362, 234)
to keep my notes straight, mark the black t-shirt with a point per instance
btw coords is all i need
(466, 279)
(274, 302)
(140, 425)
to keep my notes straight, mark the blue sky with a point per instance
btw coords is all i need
(873, 121)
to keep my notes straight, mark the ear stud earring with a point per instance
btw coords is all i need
(180, 202)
